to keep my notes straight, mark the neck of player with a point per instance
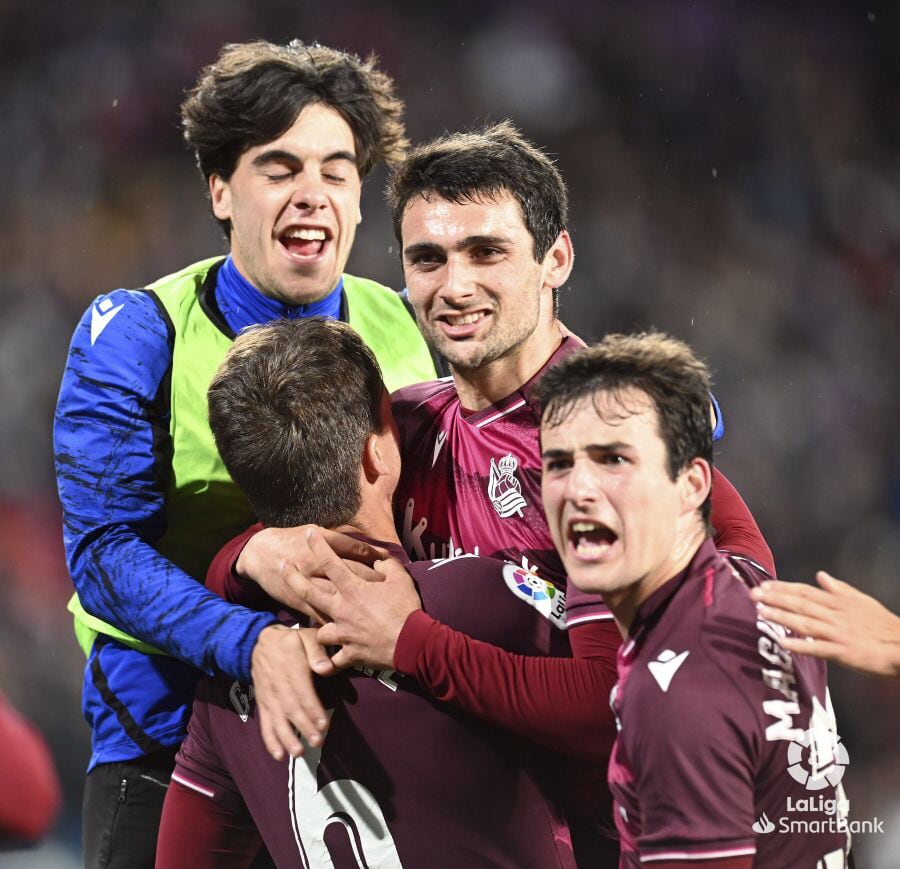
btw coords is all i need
(624, 603)
(379, 474)
(493, 381)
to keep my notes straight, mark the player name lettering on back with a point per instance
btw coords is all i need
(781, 678)
(388, 678)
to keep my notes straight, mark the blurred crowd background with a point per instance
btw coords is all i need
(735, 179)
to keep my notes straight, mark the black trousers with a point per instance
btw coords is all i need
(121, 813)
(121, 810)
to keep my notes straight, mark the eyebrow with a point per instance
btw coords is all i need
(462, 244)
(279, 155)
(614, 446)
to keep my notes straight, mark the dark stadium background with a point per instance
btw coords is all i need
(735, 179)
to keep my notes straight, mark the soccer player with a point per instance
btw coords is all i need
(283, 136)
(837, 622)
(727, 754)
(304, 425)
(481, 219)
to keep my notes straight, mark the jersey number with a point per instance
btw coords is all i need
(345, 802)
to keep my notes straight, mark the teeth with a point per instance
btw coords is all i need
(581, 527)
(590, 549)
(306, 234)
(463, 319)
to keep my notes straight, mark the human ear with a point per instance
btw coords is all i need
(220, 196)
(558, 261)
(695, 482)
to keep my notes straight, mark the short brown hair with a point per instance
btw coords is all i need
(291, 408)
(486, 163)
(255, 91)
(665, 369)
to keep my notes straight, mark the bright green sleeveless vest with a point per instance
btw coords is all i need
(204, 508)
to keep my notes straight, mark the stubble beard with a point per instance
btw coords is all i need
(494, 347)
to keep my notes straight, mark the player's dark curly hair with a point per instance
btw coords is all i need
(665, 369)
(291, 408)
(255, 91)
(497, 159)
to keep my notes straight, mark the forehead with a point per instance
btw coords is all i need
(318, 131)
(429, 217)
(626, 416)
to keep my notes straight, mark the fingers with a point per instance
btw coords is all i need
(316, 653)
(328, 563)
(391, 567)
(796, 597)
(349, 547)
(798, 624)
(365, 573)
(834, 585)
(285, 695)
(809, 646)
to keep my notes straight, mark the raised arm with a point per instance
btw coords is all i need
(111, 455)
(735, 528)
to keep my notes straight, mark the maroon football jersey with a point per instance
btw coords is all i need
(471, 482)
(400, 779)
(727, 745)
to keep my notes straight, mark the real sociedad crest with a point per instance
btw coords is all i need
(504, 488)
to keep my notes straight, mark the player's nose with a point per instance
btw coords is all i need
(458, 284)
(308, 193)
(582, 485)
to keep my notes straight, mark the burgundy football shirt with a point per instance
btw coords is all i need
(727, 745)
(471, 482)
(400, 778)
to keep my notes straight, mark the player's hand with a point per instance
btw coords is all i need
(837, 622)
(286, 700)
(281, 562)
(365, 618)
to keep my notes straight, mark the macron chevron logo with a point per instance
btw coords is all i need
(664, 668)
(438, 444)
(101, 316)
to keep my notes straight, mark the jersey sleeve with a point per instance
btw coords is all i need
(221, 578)
(559, 702)
(110, 438)
(736, 531)
(693, 760)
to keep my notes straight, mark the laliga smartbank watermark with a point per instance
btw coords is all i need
(817, 760)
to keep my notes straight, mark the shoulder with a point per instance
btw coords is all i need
(423, 398)
(707, 637)
(122, 331)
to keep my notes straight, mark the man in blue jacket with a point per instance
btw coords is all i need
(283, 136)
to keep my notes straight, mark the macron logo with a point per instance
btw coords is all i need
(101, 315)
(664, 668)
(438, 443)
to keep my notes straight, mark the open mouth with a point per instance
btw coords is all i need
(591, 540)
(463, 324)
(304, 242)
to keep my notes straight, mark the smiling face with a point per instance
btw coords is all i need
(293, 204)
(621, 524)
(479, 295)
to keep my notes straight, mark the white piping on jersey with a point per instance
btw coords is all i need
(571, 621)
(502, 413)
(735, 557)
(698, 855)
(193, 785)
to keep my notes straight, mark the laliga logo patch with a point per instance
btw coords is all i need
(818, 758)
(523, 581)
